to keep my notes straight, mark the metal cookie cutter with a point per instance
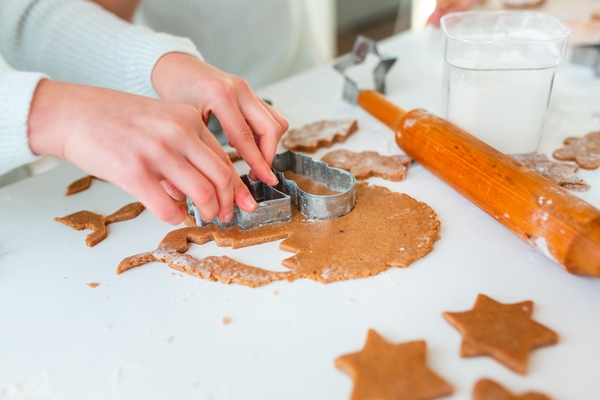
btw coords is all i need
(274, 203)
(588, 55)
(362, 47)
(311, 205)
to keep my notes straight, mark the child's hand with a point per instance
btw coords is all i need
(140, 144)
(252, 126)
(444, 7)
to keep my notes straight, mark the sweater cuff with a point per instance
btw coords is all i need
(142, 56)
(16, 93)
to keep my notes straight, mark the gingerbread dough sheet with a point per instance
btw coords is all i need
(385, 229)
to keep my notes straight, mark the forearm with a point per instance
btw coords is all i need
(78, 41)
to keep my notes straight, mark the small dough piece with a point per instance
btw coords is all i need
(311, 137)
(87, 220)
(386, 371)
(562, 174)
(97, 223)
(486, 389)
(385, 229)
(584, 151)
(93, 285)
(504, 332)
(369, 163)
(518, 4)
(79, 185)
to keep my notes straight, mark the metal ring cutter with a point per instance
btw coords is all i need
(274, 203)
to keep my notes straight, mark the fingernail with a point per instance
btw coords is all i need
(228, 217)
(274, 180)
(251, 203)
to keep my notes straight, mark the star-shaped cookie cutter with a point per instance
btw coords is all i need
(362, 47)
(588, 55)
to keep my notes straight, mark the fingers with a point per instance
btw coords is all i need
(268, 126)
(444, 7)
(242, 139)
(149, 191)
(242, 196)
(171, 190)
(254, 128)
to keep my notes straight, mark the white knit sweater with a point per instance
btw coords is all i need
(74, 41)
(260, 40)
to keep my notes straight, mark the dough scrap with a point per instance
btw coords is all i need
(386, 371)
(97, 223)
(562, 174)
(80, 185)
(311, 137)
(584, 151)
(369, 163)
(486, 389)
(504, 332)
(385, 229)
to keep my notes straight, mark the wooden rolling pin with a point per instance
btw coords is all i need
(557, 223)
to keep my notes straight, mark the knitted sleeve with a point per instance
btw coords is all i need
(78, 41)
(16, 93)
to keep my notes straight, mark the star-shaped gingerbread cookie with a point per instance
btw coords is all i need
(504, 332)
(383, 371)
(584, 151)
(486, 389)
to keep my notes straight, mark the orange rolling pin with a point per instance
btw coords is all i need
(548, 217)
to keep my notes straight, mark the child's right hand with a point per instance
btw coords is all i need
(140, 144)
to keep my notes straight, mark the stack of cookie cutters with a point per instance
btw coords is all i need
(588, 55)
(274, 202)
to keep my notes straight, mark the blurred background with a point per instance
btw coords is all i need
(335, 24)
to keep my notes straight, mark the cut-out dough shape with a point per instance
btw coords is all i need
(369, 163)
(562, 174)
(386, 371)
(97, 223)
(504, 332)
(486, 389)
(584, 151)
(311, 137)
(385, 229)
(80, 185)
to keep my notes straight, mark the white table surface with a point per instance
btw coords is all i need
(151, 333)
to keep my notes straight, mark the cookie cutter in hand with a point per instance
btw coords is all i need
(274, 203)
(362, 47)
